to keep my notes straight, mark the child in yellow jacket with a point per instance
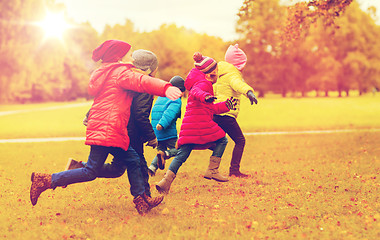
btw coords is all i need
(232, 84)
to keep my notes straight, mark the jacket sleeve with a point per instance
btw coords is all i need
(171, 113)
(139, 82)
(237, 84)
(220, 108)
(198, 93)
(140, 109)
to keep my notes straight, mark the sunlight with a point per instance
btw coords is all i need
(54, 25)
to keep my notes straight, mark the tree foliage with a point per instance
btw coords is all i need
(317, 45)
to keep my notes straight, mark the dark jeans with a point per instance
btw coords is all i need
(95, 167)
(232, 128)
(139, 148)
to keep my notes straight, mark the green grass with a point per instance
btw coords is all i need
(305, 186)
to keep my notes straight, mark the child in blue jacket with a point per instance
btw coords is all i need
(165, 113)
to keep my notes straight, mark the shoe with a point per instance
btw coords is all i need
(141, 206)
(163, 186)
(145, 203)
(73, 164)
(152, 170)
(153, 202)
(212, 171)
(40, 183)
(161, 156)
(238, 174)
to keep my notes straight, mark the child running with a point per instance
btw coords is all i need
(107, 123)
(232, 84)
(198, 130)
(165, 113)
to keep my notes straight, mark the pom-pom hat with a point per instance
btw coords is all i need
(111, 51)
(236, 57)
(203, 63)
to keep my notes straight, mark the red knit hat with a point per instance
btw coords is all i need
(111, 51)
(203, 63)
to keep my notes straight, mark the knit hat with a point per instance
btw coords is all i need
(236, 57)
(111, 51)
(178, 82)
(145, 60)
(203, 63)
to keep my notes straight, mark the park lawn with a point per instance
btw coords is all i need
(271, 114)
(315, 186)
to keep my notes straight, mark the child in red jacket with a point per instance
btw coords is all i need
(107, 125)
(198, 130)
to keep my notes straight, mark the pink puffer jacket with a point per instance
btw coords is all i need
(197, 125)
(112, 85)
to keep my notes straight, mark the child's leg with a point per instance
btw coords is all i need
(160, 147)
(181, 157)
(218, 150)
(96, 159)
(172, 151)
(132, 161)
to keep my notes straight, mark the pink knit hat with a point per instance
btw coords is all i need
(203, 63)
(236, 57)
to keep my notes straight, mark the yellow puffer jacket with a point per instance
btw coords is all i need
(230, 84)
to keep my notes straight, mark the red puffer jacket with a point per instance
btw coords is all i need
(112, 85)
(197, 124)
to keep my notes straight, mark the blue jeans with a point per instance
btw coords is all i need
(123, 160)
(168, 146)
(185, 150)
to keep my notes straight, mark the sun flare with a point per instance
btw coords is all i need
(54, 25)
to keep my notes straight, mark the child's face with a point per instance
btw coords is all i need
(213, 76)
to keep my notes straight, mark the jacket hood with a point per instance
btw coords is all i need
(100, 75)
(194, 76)
(225, 67)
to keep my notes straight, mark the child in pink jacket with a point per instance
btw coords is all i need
(198, 130)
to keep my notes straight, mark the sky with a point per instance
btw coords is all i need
(214, 17)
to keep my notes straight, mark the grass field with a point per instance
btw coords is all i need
(303, 186)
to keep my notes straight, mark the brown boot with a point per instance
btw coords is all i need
(163, 186)
(141, 205)
(40, 182)
(153, 202)
(212, 172)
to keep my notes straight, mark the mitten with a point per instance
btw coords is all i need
(251, 97)
(173, 93)
(231, 103)
(152, 143)
(210, 98)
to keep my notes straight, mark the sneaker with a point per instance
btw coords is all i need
(152, 170)
(73, 164)
(161, 159)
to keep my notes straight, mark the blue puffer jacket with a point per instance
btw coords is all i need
(166, 112)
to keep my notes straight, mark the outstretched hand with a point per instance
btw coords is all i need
(173, 93)
(251, 97)
(231, 103)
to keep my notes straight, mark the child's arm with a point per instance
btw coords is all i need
(171, 113)
(238, 84)
(139, 82)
